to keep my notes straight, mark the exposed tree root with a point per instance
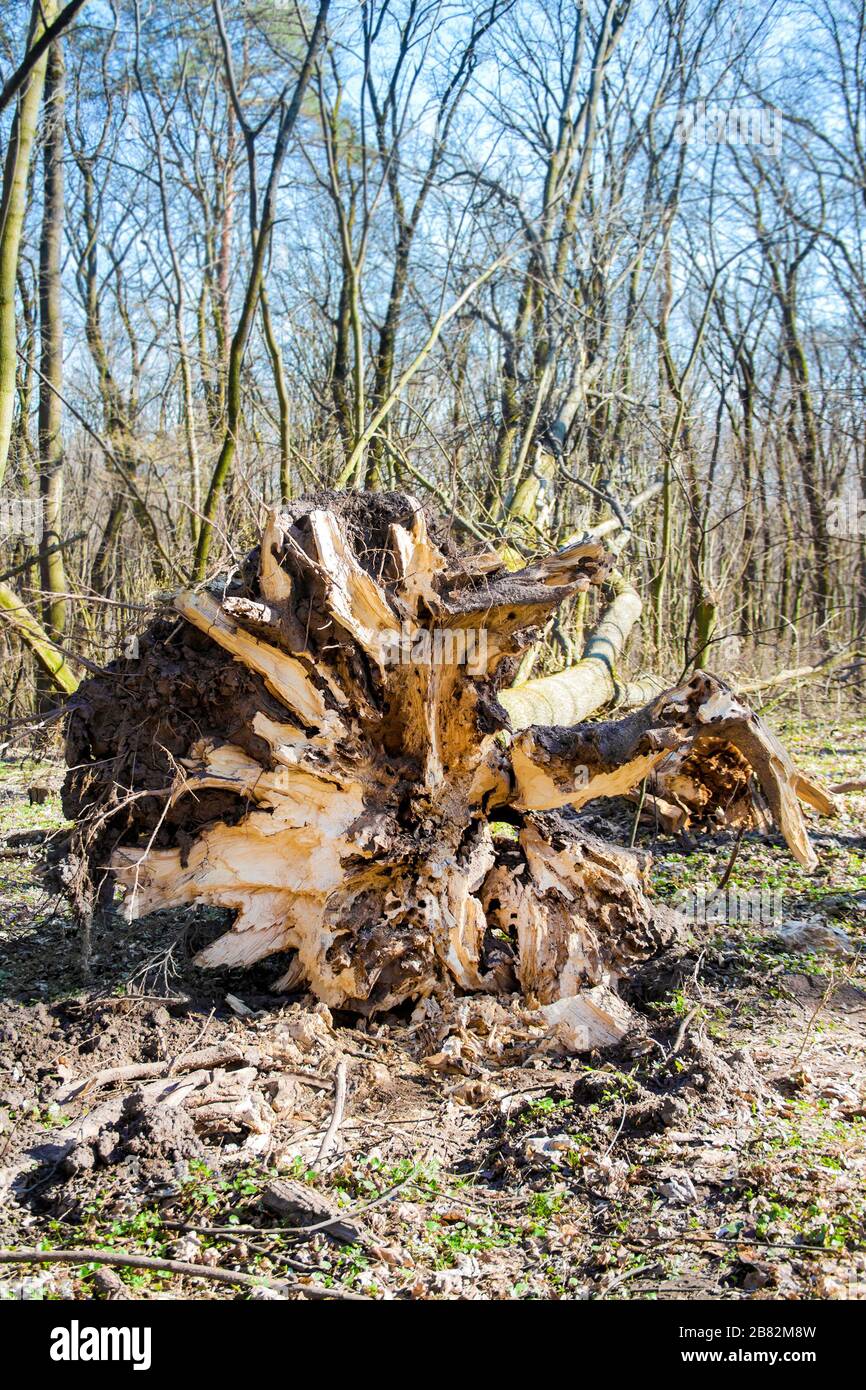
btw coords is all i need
(321, 747)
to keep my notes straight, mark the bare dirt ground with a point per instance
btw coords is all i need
(719, 1154)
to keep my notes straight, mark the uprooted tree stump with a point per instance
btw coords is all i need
(318, 745)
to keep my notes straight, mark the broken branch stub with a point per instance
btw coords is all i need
(320, 748)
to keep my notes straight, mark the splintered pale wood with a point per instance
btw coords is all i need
(354, 598)
(538, 791)
(775, 772)
(561, 565)
(596, 1017)
(276, 585)
(433, 702)
(418, 563)
(819, 798)
(295, 794)
(567, 901)
(276, 869)
(284, 675)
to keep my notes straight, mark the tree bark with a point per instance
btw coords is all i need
(574, 694)
(12, 208)
(51, 567)
(34, 636)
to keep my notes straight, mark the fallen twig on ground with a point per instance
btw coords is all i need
(193, 1271)
(332, 1131)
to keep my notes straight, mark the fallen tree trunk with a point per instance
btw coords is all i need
(48, 656)
(322, 747)
(574, 694)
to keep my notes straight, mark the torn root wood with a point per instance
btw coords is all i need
(701, 750)
(320, 748)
